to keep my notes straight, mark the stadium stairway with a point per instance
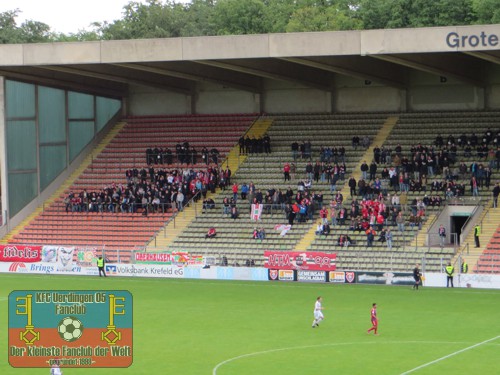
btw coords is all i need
(173, 228)
(489, 260)
(66, 184)
(488, 221)
(421, 238)
(379, 139)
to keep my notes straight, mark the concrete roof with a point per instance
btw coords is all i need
(308, 59)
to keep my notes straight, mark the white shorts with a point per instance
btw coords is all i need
(318, 315)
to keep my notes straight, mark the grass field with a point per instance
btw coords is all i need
(239, 328)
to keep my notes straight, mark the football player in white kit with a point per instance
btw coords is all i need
(55, 370)
(318, 312)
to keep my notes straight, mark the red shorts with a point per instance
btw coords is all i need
(374, 322)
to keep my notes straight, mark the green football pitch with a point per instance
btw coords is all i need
(201, 327)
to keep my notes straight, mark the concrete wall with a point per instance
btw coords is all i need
(150, 101)
(212, 98)
(425, 92)
(282, 96)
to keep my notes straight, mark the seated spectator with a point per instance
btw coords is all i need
(212, 232)
(208, 204)
(382, 236)
(344, 240)
(234, 212)
(326, 229)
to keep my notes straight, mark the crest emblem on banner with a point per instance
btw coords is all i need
(349, 276)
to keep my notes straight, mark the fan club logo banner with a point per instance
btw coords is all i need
(20, 253)
(70, 328)
(175, 258)
(293, 260)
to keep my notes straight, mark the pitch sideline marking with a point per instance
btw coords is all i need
(220, 364)
(450, 355)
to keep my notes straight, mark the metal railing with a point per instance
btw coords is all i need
(172, 219)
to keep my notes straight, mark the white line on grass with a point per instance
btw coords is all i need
(219, 365)
(450, 355)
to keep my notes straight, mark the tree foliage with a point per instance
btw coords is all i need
(168, 18)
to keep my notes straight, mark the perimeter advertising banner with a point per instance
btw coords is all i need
(387, 278)
(294, 260)
(20, 253)
(70, 328)
(175, 258)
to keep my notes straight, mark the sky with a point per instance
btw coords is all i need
(67, 16)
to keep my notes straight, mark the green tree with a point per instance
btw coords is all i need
(277, 14)
(9, 32)
(486, 11)
(325, 16)
(425, 13)
(198, 18)
(35, 32)
(151, 20)
(239, 17)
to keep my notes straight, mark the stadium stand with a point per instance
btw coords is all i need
(235, 237)
(127, 231)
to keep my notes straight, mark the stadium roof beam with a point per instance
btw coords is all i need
(266, 74)
(439, 65)
(121, 79)
(111, 90)
(485, 56)
(191, 77)
(344, 71)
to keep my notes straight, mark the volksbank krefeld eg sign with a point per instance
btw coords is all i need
(456, 40)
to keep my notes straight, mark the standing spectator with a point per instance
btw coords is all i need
(244, 191)
(235, 191)
(364, 170)
(352, 186)
(241, 143)
(100, 265)
(286, 171)
(309, 171)
(370, 236)
(323, 214)
(400, 221)
(180, 200)
(477, 233)
(373, 170)
(496, 192)
(417, 276)
(388, 239)
(442, 235)
(474, 187)
(464, 268)
(295, 150)
(449, 275)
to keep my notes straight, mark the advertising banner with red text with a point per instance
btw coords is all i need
(295, 260)
(174, 258)
(20, 253)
